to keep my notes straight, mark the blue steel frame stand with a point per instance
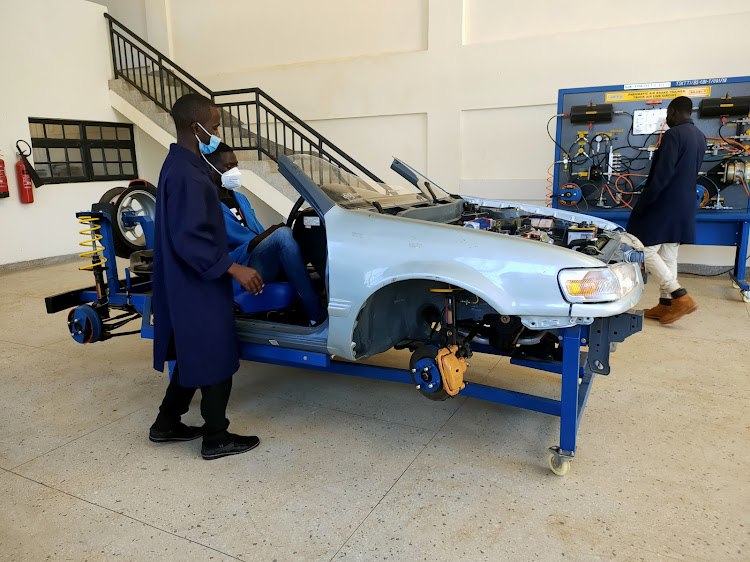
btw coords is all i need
(576, 376)
(576, 381)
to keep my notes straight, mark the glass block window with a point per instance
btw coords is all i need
(78, 151)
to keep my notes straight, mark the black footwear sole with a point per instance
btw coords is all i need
(220, 455)
(168, 439)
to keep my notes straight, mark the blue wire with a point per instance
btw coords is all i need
(718, 191)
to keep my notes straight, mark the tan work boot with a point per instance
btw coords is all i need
(659, 310)
(680, 307)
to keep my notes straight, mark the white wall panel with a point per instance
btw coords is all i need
(374, 141)
(233, 35)
(491, 20)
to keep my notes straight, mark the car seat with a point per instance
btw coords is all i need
(275, 296)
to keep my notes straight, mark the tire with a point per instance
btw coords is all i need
(111, 195)
(141, 197)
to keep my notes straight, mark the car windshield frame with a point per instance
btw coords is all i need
(350, 191)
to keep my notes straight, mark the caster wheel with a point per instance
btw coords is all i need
(735, 285)
(558, 466)
(746, 296)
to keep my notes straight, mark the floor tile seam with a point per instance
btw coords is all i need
(75, 439)
(272, 395)
(135, 519)
(422, 450)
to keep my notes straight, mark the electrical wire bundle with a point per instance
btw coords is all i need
(618, 178)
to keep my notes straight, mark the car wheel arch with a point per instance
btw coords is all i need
(389, 315)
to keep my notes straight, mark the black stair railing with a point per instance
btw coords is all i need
(250, 119)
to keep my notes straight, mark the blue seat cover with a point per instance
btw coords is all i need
(273, 297)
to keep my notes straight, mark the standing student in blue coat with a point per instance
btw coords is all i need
(192, 288)
(268, 251)
(664, 216)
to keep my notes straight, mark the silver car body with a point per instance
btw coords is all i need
(368, 251)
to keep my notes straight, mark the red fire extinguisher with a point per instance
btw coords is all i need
(25, 187)
(3, 181)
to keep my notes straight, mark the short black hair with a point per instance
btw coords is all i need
(221, 149)
(682, 106)
(189, 109)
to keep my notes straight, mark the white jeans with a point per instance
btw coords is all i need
(661, 262)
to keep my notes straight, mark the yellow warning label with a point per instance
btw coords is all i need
(666, 93)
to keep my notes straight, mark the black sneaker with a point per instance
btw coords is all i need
(180, 432)
(234, 445)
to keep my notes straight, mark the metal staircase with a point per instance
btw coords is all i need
(255, 125)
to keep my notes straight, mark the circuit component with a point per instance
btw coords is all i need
(593, 113)
(595, 173)
(724, 107)
(734, 172)
(581, 231)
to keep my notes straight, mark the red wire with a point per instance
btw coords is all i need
(660, 134)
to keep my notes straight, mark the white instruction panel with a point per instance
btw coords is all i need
(648, 121)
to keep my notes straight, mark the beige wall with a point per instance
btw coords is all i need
(251, 35)
(132, 13)
(61, 73)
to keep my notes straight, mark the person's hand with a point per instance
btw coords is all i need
(247, 277)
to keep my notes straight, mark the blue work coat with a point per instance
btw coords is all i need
(239, 236)
(665, 211)
(192, 303)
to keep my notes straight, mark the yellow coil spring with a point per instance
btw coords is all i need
(91, 242)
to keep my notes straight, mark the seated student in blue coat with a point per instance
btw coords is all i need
(270, 251)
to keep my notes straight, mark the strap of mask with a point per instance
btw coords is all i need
(209, 163)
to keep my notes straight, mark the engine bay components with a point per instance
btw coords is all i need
(579, 235)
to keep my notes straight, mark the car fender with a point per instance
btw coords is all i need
(369, 251)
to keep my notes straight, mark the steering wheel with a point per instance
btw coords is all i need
(295, 211)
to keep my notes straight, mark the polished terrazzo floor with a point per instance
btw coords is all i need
(356, 469)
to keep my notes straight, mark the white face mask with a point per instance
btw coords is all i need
(231, 179)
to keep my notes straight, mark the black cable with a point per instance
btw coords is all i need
(562, 154)
(720, 128)
(710, 274)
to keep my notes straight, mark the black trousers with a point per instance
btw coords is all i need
(214, 399)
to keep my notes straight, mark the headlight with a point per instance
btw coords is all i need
(602, 284)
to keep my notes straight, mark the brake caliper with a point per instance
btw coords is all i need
(452, 369)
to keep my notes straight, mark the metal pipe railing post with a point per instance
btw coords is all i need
(162, 97)
(112, 47)
(257, 125)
